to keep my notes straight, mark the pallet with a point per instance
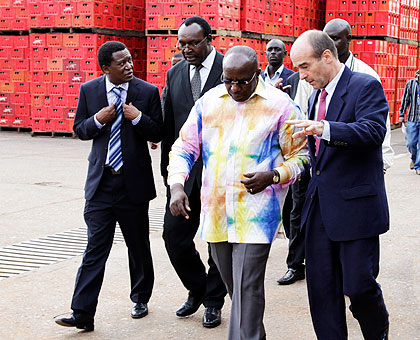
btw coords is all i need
(88, 30)
(53, 134)
(14, 32)
(15, 128)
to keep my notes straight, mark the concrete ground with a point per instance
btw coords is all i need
(42, 180)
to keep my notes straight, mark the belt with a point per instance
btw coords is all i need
(113, 172)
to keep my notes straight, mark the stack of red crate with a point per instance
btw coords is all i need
(59, 64)
(367, 17)
(111, 14)
(13, 15)
(253, 15)
(170, 14)
(14, 81)
(308, 14)
(409, 23)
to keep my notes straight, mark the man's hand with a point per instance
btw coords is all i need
(256, 182)
(179, 204)
(309, 127)
(106, 114)
(401, 120)
(130, 111)
(279, 85)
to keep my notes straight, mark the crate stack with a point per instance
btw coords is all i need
(385, 36)
(14, 81)
(54, 51)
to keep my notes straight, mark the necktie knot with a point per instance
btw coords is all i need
(324, 94)
(117, 91)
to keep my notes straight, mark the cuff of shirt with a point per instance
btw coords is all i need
(326, 133)
(137, 119)
(98, 125)
(176, 179)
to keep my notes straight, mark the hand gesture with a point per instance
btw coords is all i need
(256, 182)
(279, 85)
(130, 111)
(106, 114)
(309, 127)
(179, 204)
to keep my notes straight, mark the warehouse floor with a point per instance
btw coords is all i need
(41, 194)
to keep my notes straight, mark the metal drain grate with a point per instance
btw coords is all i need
(29, 255)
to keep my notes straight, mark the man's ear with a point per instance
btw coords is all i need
(105, 69)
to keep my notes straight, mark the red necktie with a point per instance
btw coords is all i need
(321, 115)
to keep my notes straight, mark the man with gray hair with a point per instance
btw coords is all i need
(249, 159)
(346, 207)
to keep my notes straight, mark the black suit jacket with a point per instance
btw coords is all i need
(347, 175)
(293, 81)
(137, 169)
(177, 106)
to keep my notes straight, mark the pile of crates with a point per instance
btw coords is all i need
(386, 36)
(49, 48)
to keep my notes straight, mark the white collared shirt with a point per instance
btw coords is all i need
(276, 76)
(205, 70)
(112, 99)
(330, 88)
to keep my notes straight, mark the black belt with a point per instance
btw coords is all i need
(114, 172)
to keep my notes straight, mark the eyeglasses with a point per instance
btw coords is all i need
(237, 82)
(182, 46)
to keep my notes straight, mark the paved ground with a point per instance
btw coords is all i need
(42, 193)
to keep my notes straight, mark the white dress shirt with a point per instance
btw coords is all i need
(276, 76)
(205, 70)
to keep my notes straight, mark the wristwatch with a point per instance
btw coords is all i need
(276, 177)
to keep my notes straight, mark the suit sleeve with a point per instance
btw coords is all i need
(369, 127)
(150, 125)
(84, 124)
(168, 128)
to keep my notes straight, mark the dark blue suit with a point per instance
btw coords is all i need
(346, 210)
(120, 198)
(286, 73)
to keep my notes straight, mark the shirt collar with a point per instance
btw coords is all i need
(208, 62)
(330, 88)
(109, 86)
(276, 74)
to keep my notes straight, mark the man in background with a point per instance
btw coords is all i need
(275, 53)
(411, 100)
(187, 81)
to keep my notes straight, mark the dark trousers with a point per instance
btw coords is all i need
(109, 205)
(292, 212)
(178, 234)
(335, 269)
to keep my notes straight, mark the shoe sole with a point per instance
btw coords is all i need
(87, 328)
(285, 283)
(211, 325)
(139, 316)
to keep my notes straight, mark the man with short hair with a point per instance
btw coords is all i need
(275, 53)
(346, 207)
(249, 159)
(119, 113)
(411, 100)
(187, 81)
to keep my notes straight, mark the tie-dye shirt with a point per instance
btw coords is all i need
(237, 138)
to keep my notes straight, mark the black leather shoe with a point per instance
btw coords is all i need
(139, 310)
(189, 307)
(78, 320)
(212, 317)
(291, 276)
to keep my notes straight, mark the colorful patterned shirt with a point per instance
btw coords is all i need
(237, 138)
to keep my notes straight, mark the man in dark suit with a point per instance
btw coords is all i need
(188, 80)
(119, 113)
(346, 207)
(275, 53)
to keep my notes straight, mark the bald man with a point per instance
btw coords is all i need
(346, 206)
(249, 160)
(275, 53)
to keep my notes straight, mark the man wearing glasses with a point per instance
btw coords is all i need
(186, 82)
(249, 159)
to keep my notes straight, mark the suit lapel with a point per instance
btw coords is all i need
(101, 91)
(214, 75)
(185, 82)
(336, 103)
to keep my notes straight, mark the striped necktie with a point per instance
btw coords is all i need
(115, 154)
